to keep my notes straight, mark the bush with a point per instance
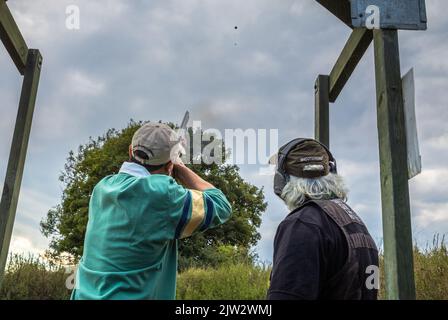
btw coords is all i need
(29, 278)
(228, 282)
(431, 272)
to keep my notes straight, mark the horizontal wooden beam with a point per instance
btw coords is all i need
(12, 38)
(354, 49)
(340, 8)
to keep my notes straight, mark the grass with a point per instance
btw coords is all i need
(431, 268)
(31, 278)
(430, 271)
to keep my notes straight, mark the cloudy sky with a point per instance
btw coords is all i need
(152, 60)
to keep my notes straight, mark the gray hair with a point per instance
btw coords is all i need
(298, 190)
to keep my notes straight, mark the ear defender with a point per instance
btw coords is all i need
(279, 183)
(333, 167)
(281, 178)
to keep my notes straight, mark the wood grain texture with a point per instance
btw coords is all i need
(396, 213)
(17, 156)
(12, 38)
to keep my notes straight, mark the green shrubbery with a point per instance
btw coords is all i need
(431, 268)
(227, 282)
(431, 272)
(30, 278)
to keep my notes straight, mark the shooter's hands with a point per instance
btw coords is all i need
(189, 179)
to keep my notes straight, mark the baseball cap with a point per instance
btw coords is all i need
(157, 144)
(308, 159)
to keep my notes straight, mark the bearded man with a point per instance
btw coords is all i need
(322, 249)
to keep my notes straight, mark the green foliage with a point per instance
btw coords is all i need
(431, 265)
(227, 282)
(32, 279)
(66, 223)
(216, 256)
(431, 270)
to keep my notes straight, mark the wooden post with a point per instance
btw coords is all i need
(17, 155)
(398, 248)
(322, 110)
(12, 38)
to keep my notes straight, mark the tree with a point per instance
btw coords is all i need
(65, 224)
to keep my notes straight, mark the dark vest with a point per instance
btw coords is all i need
(350, 282)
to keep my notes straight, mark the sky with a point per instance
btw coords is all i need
(152, 60)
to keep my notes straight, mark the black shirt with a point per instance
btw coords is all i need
(309, 249)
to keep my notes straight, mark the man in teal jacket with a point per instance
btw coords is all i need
(137, 216)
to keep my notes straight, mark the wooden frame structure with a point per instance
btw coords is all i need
(28, 63)
(397, 234)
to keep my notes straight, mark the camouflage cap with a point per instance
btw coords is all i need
(308, 159)
(158, 143)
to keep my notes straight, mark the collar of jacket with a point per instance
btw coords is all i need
(134, 169)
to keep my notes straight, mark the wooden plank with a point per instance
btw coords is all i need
(17, 155)
(397, 233)
(340, 8)
(354, 50)
(12, 38)
(322, 110)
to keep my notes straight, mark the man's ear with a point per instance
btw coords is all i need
(130, 151)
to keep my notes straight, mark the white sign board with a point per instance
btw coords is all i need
(414, 158)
